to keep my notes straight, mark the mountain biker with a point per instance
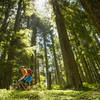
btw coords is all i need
(26, 76)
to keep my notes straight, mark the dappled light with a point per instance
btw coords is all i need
(49, 50)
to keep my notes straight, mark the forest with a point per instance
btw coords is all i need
(58, 40)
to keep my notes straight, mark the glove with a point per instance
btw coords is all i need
(19, 80)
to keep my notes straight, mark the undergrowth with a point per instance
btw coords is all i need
(89, 92)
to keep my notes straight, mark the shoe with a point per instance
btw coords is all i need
(26, 84)
(28, 87)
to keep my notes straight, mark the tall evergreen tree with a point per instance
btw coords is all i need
(71, 69)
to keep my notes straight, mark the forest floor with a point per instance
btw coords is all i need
(83, 94)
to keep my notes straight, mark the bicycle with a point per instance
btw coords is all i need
(20, 85)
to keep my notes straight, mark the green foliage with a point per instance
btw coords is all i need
(16, 95)
(29, 7)
(22, 47)
(41, 85)
(29, 38)
(91, 86)
(52, 94)
(56, 87)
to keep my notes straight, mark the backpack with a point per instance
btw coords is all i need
(29, 71)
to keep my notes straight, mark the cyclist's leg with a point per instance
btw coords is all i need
(28, 80)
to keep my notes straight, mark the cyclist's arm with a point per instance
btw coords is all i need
(24, 72)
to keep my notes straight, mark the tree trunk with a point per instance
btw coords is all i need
(5, 23)
(43, 72)
(93, 9)
(80, 68)
(71, 69)
(38, 72)
(33, 57)
(5, 76)
(87, 70)
(94, 69)
(11, 51)
(55, 60)
(50, 80)
(47, 66)
(98, 42)
(35, 68)
(3, 55)
(9, 67)
(28, 22)
(17, 19)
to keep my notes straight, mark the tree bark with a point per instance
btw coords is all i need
(38, 72)
(43, 72)
(87, 70)
(71, 69)
(33, 57)
(55, 60)
(17, 19)
(28, 22)
(47, 66)
(98, 42)
(93, 9)
(94, 69)
(12, 43)
(80, 68)
(35, 68)
(5, 23)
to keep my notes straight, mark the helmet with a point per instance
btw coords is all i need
(22, 67)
